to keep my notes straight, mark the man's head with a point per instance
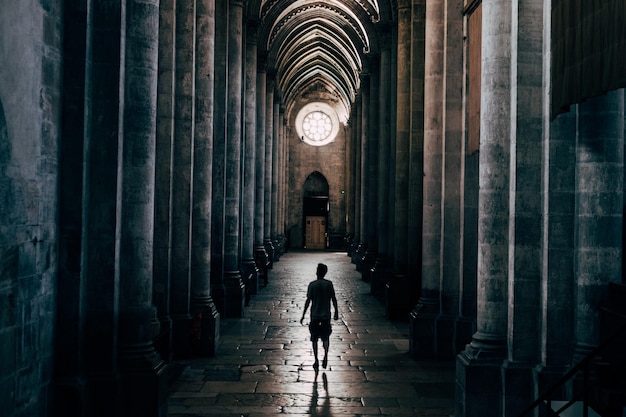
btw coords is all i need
(321, 271)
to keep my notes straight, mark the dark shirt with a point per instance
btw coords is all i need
(320, 292)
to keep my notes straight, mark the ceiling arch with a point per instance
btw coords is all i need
(318, 44)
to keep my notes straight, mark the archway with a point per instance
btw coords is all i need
(315, 212)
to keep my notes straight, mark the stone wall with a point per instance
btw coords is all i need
(304, 159)
(30, 42)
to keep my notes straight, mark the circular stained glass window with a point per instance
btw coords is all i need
(317, 126)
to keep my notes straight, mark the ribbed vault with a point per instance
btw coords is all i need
(318, 45)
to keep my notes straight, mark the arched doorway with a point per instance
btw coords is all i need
(315, 212)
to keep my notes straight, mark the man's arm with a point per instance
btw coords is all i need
(306, 306)
(334, 299)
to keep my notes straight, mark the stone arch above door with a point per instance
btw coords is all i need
(316, 185)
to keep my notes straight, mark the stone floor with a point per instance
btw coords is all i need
(264, 364)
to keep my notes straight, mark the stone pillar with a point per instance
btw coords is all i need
(357, 152)
(416, 154)
(363, 141)
(219, 155)
(452, 331)
(277, 191)
(269, 144)
(423, 339)
(403, 138)
(275, 175)
(205, 324)
(143, 376)
(349, 181)
(98, 238)
(558, 250)
(479, 380)
(371, 236)
(525, 216)
(182, 178)
(163, 175)
(372, 154)
(260, 255)
(248, 265)
(283, 179)
(69, 384)
(397, 291)
(393, 123)
(599, 203)
(234, 296)
(381, 267)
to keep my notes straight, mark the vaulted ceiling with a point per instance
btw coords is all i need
(319, 45)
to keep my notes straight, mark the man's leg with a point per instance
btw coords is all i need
(325, 344)
(316, 363)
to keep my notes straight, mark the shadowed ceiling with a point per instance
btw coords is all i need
(319, 45)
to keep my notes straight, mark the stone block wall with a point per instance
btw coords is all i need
(30, 53)
(329, 160)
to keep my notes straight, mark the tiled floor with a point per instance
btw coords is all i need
(264, 364)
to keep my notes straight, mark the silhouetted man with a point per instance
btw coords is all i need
(319, 295)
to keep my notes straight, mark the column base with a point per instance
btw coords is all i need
(423, 333)
(234, 295)
(269, 249)
(251, 277)
(163, 342)
(206, 329)
(367, 263)
(69, 394)
(144, 391)
(379, 276)
(479, 380)
(519, 387)
(398, 298)
(181, 336)
(261, 259)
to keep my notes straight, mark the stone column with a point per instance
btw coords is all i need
(163, 174)
(397, 291)
(525, 216)
(275, 175)
(479, 366)
(219, 155)
(381, 267)
(349, 181)
(416, 154)
(363, 141)
(453, 332)
(205, 316)
(423, 338)
(403, 138)
(599, 203)
(269, 144)
(372, 170)
(278, 182)
(393, 123)
(183, 177)
(357, 152)
(260, 255)
(248, 266)
(98, 242)
(234, 288)
(559, 280)
(143, 376)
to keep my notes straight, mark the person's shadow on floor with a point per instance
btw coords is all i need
(315, 409)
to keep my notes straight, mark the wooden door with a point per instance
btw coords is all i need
(315, 232)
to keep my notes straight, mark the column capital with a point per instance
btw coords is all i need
(404, 4)
(238, 3)
(252, 31)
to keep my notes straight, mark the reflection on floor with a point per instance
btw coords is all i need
(264, 364)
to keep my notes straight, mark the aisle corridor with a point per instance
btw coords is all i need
(264, 364)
